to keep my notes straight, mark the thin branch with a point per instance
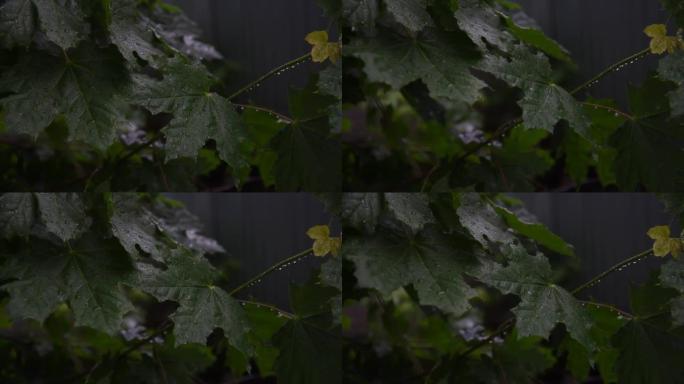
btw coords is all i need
(275, 267)
(273, 308)
(617, 267)
(613, 68)
(275, 71)
(607, 306)
(285, 119)
(615, 111)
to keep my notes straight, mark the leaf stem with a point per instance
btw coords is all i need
(273, 308)
(616, 267)
(286, 119)
(613, 68)
(609, 109)
(275, 267)
(609, 307)
(271, 73)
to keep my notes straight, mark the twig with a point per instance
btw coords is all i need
(273, 308)
(275, 71)
(285, 119)
(276, 267)
(617, 267)
(613, 68)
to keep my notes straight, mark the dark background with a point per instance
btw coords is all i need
(260, 35)
(605, 228)
(258, 230)
(599, 33)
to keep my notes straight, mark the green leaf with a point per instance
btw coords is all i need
(440, 60)
(85, 87)
(188, 280)
(135, 226)
(522, 359)
(648, 355)
(330, 80)
(410, 209)
(578, 156)
(63, 21)
(331, 273)
(577, 358)
(361, 210)
(360, 14)
(676, 9)
(483, 25)
(648, 146)
(520, 158)
(310, 333)
(543, 304)
(309, 157)
(198, 114)
(131, 34)
(87, 276)
(17, 214)
(482, 221)
(17, 23)
(412, 14)
(537, 232)
(430, 261)
(672, 275)
(539, 40)
(64, 214)
(671, 68)
(181, 364)
(605, 324)
(545, 103)
(264, 324)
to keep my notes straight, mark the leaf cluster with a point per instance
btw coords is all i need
(449, 288)
(119, 288)
(470, 94)
(123, 95)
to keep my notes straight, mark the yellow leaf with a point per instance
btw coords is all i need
(317, 37)
(334, 52)
(661, 247)
(319, 232)
(323, 49)
(664, 244)
(676, 247)
(660, 41)
(319, 53)
(323, 243)
(659, 232)
(656, 30)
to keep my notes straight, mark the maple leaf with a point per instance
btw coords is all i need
(323, 243)
(322, 48)
(664, 244)
(660, 41)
